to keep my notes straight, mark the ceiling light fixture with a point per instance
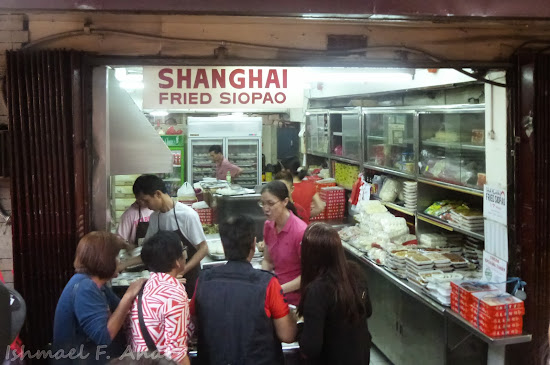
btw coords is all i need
(158, 113)
(358, 75)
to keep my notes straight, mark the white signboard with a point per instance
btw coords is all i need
(494, 270)
(182, 87)
(494, 205)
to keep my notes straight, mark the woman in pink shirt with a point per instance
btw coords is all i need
(283, 232)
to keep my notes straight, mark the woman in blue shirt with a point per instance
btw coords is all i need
(89, 316)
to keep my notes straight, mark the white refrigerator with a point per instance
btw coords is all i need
(241, 141)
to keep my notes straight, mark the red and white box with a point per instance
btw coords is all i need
(497, 314)
(461, 295)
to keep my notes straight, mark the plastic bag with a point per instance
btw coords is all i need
(186, 192)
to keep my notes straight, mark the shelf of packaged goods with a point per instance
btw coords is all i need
(390, 171)
(445, 225)
(403, 284)
(344, 159)
(394, 206)
(415, 292)
(462, 189)
(454, 146)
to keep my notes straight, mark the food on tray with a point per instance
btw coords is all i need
(455, 259)
(210, 228)
(417, 257)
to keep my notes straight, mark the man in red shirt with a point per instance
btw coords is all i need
(240, 312)
(222, 164)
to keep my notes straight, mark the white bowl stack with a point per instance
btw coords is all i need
(410, 194)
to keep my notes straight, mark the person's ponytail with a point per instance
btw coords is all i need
(290, 206)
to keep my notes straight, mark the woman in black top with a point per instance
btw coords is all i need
(335, 302)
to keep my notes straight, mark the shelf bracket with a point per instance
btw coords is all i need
(461, 342)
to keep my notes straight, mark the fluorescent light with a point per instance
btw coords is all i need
(131, 85)
(358, 75)
(158, 113)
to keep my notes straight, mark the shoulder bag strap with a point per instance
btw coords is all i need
(144, 332)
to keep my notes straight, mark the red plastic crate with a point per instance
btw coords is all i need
(205, 215)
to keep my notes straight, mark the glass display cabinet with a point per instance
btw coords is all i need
(390, 139)
(452, 145)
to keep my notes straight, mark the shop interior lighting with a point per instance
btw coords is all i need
(350, 75)
(127, 80)
(158, 113)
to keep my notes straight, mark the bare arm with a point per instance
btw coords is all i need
(267, 263)
(239, 171)
(317, 205)
(202, 251)
(286, 328)
(116, 320)
(292, 285)
(185, 361)
(130, 262)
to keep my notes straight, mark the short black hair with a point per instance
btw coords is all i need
(216, 148)
(237, 234)
(160, 252)
(148, 184)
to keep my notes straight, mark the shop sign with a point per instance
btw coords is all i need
(495, 270)
(494, 204)
(180, 87)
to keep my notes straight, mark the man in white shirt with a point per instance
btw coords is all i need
(173, 216)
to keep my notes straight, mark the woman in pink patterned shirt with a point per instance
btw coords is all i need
(165, 305)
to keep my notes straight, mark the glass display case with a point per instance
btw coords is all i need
(317, 133)
(244, 153)
(200, 162)
(452, 145)
(345, 133)
(389, 139)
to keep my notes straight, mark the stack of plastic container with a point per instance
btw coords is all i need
(417, 262)
(410, 194)
(395, 263)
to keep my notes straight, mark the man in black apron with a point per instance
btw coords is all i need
(173, 216)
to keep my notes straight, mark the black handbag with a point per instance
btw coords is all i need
(144, 332)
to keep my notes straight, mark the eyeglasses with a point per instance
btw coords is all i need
(267, 204)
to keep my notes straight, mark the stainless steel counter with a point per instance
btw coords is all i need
(410, 327)
(407, 287)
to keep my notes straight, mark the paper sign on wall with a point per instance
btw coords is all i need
(495, 204)
(495, 270)
(181, 87)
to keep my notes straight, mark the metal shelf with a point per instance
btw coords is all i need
(454, 146)
(390, 171)
(376, 138)
(318, 154)
(414, 291)
(445, 225)
(399, 208)
(402, 284)
(441, 184)
(344, 159)
(501, 341)
(337, 134)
